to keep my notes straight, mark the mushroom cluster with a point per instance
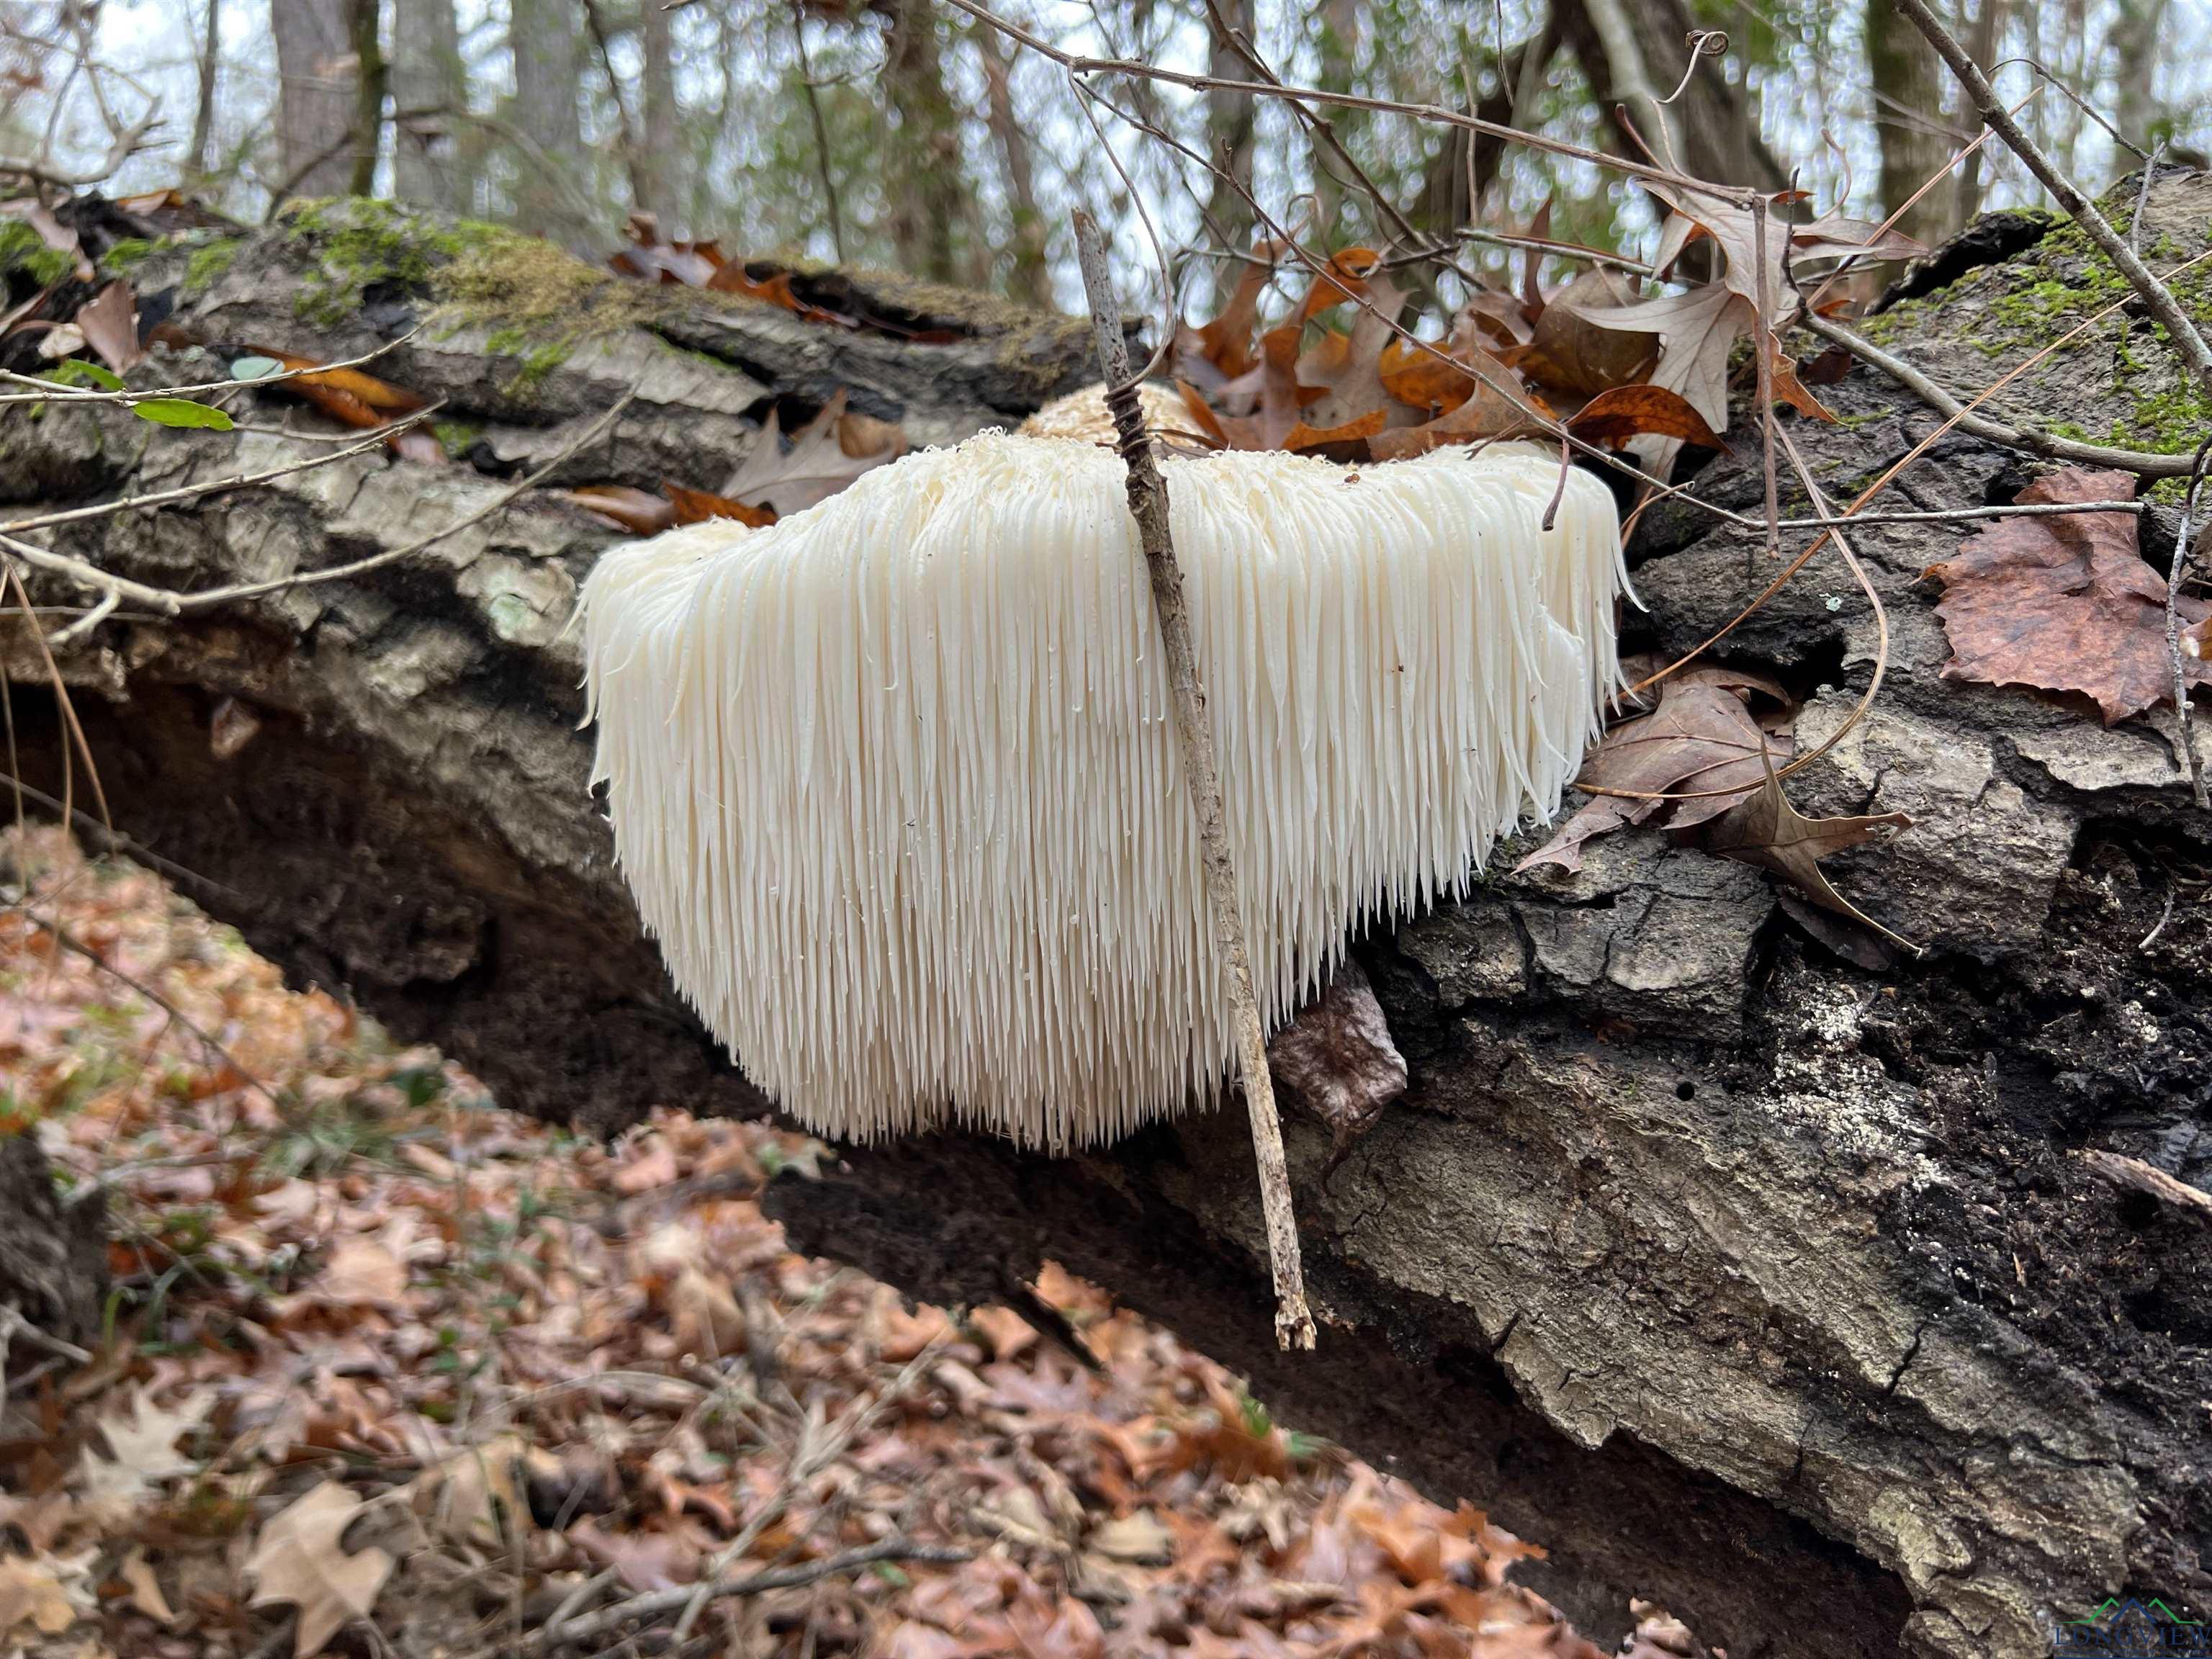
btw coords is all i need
(896, 785)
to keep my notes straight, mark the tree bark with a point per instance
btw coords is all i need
(1030, 281)
(371, 76)
(430, 150)
(1230, 123)
(664, 138)
(1911, 91)
(1632, 52)
(545, 39)
(1790, 1293)
(925, 182)
(206, 66)
(315, 104)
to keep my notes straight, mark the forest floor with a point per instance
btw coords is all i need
(388, 1371)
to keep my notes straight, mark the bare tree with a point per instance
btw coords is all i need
(428, 95)
(2135, 63)
(316, 95)
(1910, 91)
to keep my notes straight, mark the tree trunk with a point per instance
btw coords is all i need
(1989, 22)
(1031, 279)
(430, 96)
(316, 102)
(545, 38)
(1633, 52)
(1229, 126)
(925, 183)
(371, 76)
(1911, 88)
(1781, 1291)
(207, 63)
(664, 138)
(2137, 109)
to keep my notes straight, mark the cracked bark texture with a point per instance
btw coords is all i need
(1761, 1284)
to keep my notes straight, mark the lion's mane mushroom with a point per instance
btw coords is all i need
(896, 784)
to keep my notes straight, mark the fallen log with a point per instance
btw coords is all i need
(1747, 1280)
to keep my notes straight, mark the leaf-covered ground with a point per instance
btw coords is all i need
(390, 1371)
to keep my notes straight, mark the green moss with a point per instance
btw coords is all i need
(22, 249)
(455, 437)
(209, 265)
(123, 256)
(358, 242)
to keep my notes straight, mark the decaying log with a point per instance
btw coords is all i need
(1758, 1284)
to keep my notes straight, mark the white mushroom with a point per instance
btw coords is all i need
(896, 780)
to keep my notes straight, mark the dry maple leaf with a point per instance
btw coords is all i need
(2065, 603)
(301, 1558)
(1764, 829)
(822, 460)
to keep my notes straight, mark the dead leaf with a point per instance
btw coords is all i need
(1569, 352)
(698, 506)
(704, 1317)
(2065, 603)
(1612, 418)
(301, 1558)
(109, 323)
(1336, 1055)
(347, 396)
(1765, 830)
(476, 1496)
(142, 1440)
(1703, 736)
(1696, 329)
(33, 1592)
(144, 1586)
(815, 467)
(1138, 1538)
(625, 507)
(1217, 352)
(360, 1272)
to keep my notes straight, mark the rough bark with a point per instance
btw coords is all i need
(315, 94)
(545, 39)
(53, 1252)
(926, 188)
(429, 100)
(1773, 1288)
(1633, 51)
(1231, 125)
(1909, 88)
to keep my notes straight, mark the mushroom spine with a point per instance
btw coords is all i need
(897, 786)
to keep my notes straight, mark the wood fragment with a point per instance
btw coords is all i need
(1148, 505)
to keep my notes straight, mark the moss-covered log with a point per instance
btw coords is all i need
(1757, 1282)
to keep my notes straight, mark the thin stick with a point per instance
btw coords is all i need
(1764, 348)
(2180, 328)
(1148, 505)
(2181, 539)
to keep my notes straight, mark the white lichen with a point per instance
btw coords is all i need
(897, 785)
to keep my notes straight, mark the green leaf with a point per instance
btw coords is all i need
(181, 411)
(254, 369)
(76, 371)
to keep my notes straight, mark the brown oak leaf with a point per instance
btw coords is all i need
(2064, 603)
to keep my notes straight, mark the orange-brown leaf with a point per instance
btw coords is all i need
(624, 505)
(697, 505)
(1612, 417)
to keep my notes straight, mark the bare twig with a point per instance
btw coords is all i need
(2181, 540)
(2141, 462)
(1764, 346)
(655, 1604)
(1148, 505)
(2181, 329)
